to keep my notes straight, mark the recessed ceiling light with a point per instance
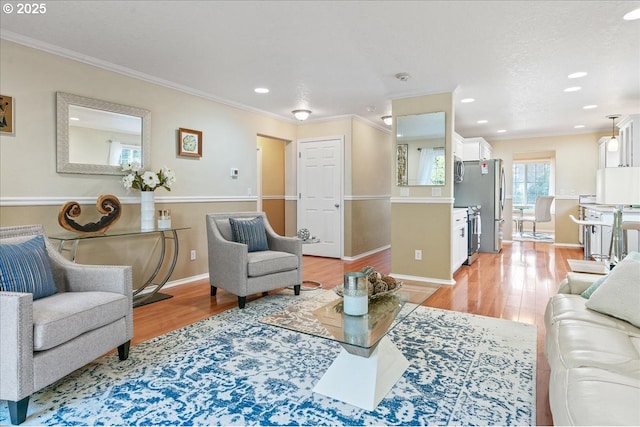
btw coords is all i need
(481, 122)
(261, 90)
(590, 107)
(577, 75)
(74, 118)
(632, 16)
(573, 89)
(501, 130)
(467, 100)
(578, 126)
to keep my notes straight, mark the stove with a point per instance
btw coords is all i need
(473, 232)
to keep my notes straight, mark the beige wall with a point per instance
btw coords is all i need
(203, 184)
(32, 191)
(273, 181)
(368, 213)
(421, 219)
(576, 160)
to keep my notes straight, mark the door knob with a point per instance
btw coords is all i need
(337, 205)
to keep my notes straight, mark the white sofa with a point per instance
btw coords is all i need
(594, 356)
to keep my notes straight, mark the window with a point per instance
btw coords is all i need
(437, 174)
(530, 180)
(121, 153)
(130, 155)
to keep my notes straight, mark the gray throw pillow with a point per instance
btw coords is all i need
(250, 232)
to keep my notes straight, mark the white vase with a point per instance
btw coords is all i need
(147, 211)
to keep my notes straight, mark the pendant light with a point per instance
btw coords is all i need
(612, 145)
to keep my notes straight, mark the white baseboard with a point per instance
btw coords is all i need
(185, 280)
(362, 255)
(423, 279)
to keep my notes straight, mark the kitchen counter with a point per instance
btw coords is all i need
(610, 208)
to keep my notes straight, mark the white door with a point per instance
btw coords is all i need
(320, 182)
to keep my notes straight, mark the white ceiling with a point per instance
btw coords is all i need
(339, 58)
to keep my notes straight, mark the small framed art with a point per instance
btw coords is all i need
(189, 142)
(7, 115)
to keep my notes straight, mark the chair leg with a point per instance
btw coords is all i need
(213, 291)
(123, 350)
(18, 410)
(296, 289)
(242, 301)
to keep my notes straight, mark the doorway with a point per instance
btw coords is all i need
(271, 181)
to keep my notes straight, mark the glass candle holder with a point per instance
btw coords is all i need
(164, 218)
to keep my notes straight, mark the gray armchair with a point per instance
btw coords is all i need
(236, 270)
(45, 339)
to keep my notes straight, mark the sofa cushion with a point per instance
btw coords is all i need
(66, 315)
(24, 267)
(619, 293)
(269, 262)
(250, 232)
(580, 344)
(572, 307)
(592, 396)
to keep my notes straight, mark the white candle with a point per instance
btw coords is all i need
(356, 296)
(356, 305)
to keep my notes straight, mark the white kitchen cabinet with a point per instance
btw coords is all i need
(476, 149)
(606, 158)
(458, 147)
(601, 237)
(629, 140)
(459, 243)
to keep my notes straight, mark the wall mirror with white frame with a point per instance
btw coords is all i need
(420, 149)
(97, 137)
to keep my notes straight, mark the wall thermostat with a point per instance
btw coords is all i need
(234, 173)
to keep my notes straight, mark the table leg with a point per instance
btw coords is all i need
(146, 298)
(363, 381)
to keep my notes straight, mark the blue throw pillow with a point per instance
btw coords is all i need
(595, 285)
(24, 267)
(251, 232)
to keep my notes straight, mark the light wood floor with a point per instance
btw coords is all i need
(514, 285)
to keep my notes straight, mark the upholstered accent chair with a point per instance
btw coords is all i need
(46, 334)
(264, 262)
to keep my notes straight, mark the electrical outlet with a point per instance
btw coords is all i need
(193, 254)
(418, 255)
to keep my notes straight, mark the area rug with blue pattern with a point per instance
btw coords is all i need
(231, 369)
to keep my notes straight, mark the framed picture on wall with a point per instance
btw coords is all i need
(189, 142)
(7, 115)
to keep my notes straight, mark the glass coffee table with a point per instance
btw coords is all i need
(369, 364)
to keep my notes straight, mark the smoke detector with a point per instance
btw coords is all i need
(403, 77)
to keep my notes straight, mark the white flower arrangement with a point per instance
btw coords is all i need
(147, 180)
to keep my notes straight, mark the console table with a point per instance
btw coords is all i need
(68, 242)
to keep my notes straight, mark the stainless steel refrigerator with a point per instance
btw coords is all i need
(483, 184)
